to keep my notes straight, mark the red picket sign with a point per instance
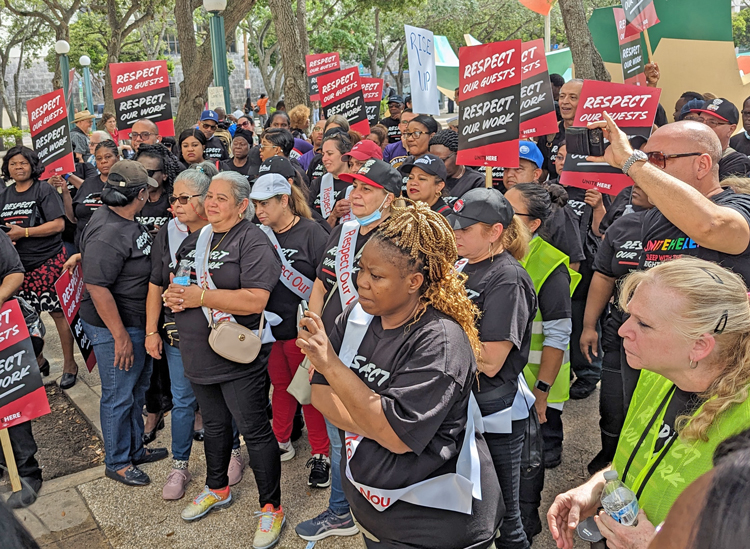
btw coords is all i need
(341, 93)
(50, 133)
(633, 109)
(22, 394)
(639, 15)
(317, 65)
(69, 290)
(537, 104)
(372, 90)
(631, 54)
(490, 91)
(141, 90)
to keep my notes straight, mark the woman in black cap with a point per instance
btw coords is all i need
(426, 182)
(491, 241)
(240, 162)
(444, 145)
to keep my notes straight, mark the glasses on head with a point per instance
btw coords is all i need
(142, 136)
(152, 172)
(659, 159)
(182, 199)
(712, 122)
(209, 126)
(413, 135)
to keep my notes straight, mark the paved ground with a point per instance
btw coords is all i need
(88, 510)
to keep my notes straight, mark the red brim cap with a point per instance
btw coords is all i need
(350, 177)
(712, 113)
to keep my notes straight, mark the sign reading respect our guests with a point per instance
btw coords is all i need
(631, 55)
(372, 90)
(341, 93)
(537, 104)
(490, 91)
(317, 65)
(141, 90)
(69, 288)
(633, 108)
(50, 133)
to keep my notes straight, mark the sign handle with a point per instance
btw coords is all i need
(648, 46)
(488, 177)
(10, 461)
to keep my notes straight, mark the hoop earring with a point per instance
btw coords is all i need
(693, 367)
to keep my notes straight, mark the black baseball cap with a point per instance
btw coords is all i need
(481, 206)
(378, 174)
(396, 99)
(722, 109)
(428, 163)
(279, 165)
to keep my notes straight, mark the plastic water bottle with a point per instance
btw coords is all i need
(182, 276)
(619, 501)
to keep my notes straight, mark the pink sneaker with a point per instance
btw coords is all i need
(236, 467)
(177, 480)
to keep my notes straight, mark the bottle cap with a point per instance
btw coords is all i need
(610, 475)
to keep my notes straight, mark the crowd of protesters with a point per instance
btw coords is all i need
(424, 329)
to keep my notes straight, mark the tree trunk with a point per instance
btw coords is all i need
(373, 50)
(586, 58)
(304, 42)
(196, 78)
(295, 77)
(16, 120)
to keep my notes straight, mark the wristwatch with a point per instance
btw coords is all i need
(637, 156)
(542, 386)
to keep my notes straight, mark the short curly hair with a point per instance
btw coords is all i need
(37, 168)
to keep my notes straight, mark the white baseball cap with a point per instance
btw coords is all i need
(269, 185)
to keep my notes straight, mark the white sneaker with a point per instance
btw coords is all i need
(287, 450)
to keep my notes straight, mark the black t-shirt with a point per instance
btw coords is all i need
(504, 293)
(734, 164)
(661, 116)
(663, 241)
(549, 144)
(616, 208)
(316, 169)
(303, 246)
(339, 191)
(248, 170)
(326, 272)
(161, 260)
(682, 403)
(561, 229)
(116, 254)
(423, 376)
(394, 133)
(470, 179)
(244, 258)
(441, 207)
(155, 214)
(741, 143)
(87, 200)
(9, 261)
(554, 297)
(215, 149)
(36, 206)
(576, 200)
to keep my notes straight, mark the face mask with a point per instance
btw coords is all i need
(373, 217)
(747, 135)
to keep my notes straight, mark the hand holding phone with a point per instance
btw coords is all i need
(301, 309)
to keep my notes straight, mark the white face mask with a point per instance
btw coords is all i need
(373, 217)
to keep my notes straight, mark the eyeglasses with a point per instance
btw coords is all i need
(712, 122)
(447, 157)
(183, 199)
(317, 130)
(152, 172)
(659, 159)
(413, 135)
(268, 147)
(209, 126)
(245, 124)
(142, 136)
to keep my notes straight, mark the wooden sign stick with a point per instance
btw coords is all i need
(488, 177)
(10, 461)
(648, 46)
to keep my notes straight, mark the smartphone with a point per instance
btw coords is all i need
(301, 308)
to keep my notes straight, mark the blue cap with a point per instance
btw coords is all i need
(529, 151)
(693, 104)
(210, 115)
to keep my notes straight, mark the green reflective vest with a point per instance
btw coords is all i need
(662, 476)
(542, 259)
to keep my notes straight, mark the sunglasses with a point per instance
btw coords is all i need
(659, 159)
(209, 126)
(245, 125)
(152, 172)
(183, 199)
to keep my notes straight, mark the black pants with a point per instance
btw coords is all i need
(245, 401)
(24, 447)
(611, 402)
(579, 364)
(159, 393)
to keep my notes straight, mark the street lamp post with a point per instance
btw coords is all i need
(62, 48)
(219, 46)
(85, 62)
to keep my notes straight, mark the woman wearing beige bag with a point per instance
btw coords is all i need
(237, 268)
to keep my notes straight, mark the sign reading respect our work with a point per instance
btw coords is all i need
(372, 90)
(420, 46)
(141, 90)
(22, 395)
(50, 133)
(639, 15)
(631, 54)
(69, 288)
(317, 65)
(537, 104)
(341, 93)
(633, 108)
(490, 91)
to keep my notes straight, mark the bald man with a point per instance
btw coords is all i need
(694, 215)
(144, 131)
(570, 93)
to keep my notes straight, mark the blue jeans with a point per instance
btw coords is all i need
(337, 500)
(184, 405)
(123, 396)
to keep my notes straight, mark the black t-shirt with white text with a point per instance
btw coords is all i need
(37, 205)
(155, 214)
(504, 293)
(394, 133)
(316, 169)
(215, 150)
(423, 376)
(248, 169)
(116, 254)
(87, 200)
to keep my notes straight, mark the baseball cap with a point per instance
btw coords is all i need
(269, 185)
(481, 206)
(722, 109)
(396, 99)
(278, 165)
(210, 115)
(428, 163)
(238, 113)
(378, 174)
(364, 150)
(529, 151)
(696, 104)
(129, 173)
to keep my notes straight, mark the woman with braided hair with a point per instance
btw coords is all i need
(444, 145)
(395, 377)
(163, 167)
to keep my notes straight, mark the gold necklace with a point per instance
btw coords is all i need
(223, 237)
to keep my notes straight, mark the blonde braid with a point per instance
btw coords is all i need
(428, 239)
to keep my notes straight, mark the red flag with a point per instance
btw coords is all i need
(542, 7)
